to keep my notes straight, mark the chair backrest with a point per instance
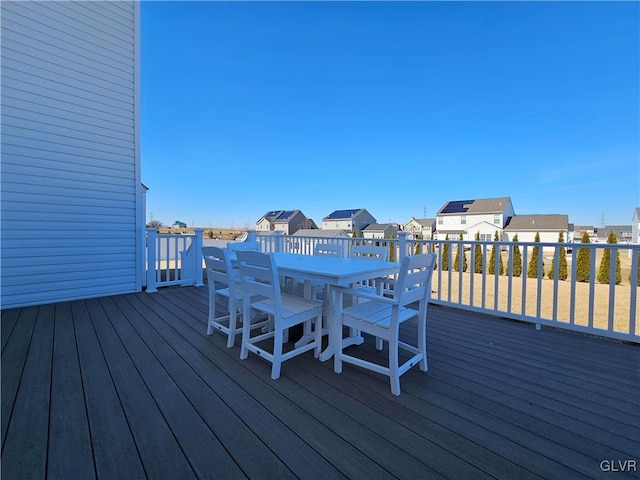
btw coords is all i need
(328, 249)
(235, 246)
(259, 276)
(370, 252)
(218, 268)
(414, 279)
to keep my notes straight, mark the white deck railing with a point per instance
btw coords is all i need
(607, 309)
(173, 259)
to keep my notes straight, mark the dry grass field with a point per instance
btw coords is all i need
(601, 295)
(213, 232)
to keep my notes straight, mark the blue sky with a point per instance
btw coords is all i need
(390, 106)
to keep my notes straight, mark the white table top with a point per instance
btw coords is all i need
(332, 270)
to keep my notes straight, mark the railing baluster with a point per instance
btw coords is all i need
(592, 281)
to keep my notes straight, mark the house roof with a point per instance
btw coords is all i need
(618, 230)
(379, 227)
(538, 223)
(343, 214)
(481, 205)
(278, 216)
(271, 215)
(285, 216)
(314, 232)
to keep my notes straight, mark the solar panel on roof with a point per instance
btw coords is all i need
(273, 213)
(343, 213)
(458, 206)
(285, 215)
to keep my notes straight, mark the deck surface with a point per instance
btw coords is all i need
(131, 387)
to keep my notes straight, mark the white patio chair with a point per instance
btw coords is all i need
(261, 288)
(328, 249)
(382, 316)
(223, 281)
(375, 285)
(370, 252)
(235, 246)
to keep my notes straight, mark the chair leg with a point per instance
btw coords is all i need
(212, 313)
(233, 322)
(422, 346)
(246, 331)
(394, 377)
(318, 332)
(277, 354)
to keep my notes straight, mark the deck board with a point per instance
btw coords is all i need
(131, 387)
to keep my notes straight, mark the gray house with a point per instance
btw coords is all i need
(548, 227)
(354, 220)
(72, 202)
(623, 233)
(287, 221)
(380, 230)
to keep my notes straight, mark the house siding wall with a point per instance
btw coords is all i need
(72, 218)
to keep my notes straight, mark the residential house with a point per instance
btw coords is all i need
(577, 231)
(354, 220)
(463, 219)
(72, 201)
(623, 233)
(178, 224)
(380, 230)
(547, 226)
(424, 227)
(287, 221)
(635, 226)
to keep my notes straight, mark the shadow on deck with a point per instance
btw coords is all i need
(131, 387)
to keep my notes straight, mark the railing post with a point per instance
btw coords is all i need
(198, 256)
(402, 244)
(251, 236)
(279, 246)
(151, 260)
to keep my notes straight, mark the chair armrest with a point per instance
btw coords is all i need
(364, 294)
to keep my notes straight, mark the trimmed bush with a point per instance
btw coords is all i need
(445, 255)
(562, 267)
(517, 259)
(418, 245)
(532, 272)
(492, 259)
(583, 261)
(605, 264)
(477, 253)
(456, 261)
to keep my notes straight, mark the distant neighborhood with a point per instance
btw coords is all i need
(457, 220)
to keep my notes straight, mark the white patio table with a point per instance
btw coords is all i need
(332, 271)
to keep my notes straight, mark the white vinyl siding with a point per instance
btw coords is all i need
(70, 170)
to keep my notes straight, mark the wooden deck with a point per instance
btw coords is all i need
(131, 387)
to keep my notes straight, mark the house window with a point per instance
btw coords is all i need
(496, 219)
(485, 237)
(440, 222)
(463, 219)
